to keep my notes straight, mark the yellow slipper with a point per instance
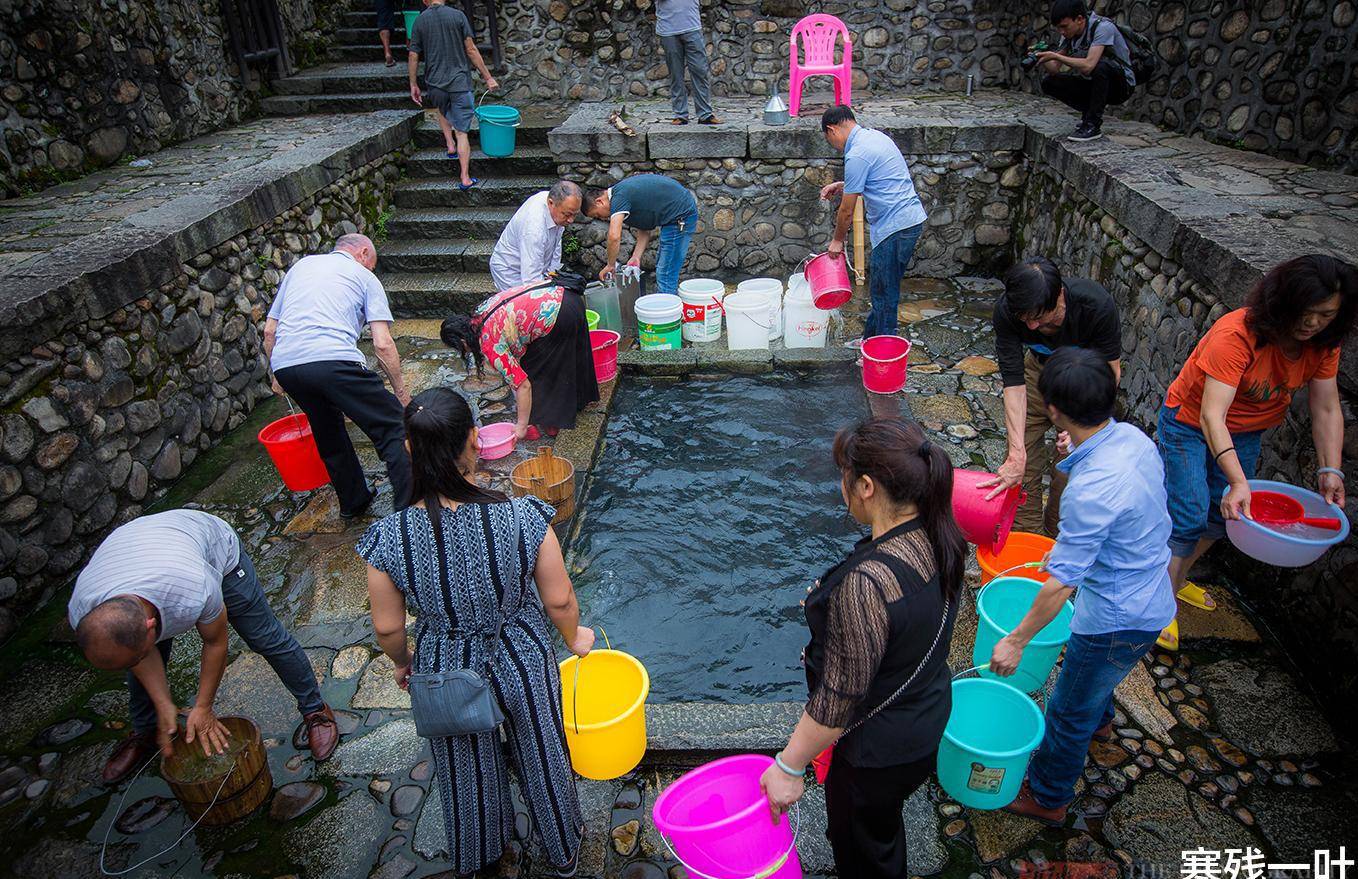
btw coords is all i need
(1169, 638)
(1193, 594)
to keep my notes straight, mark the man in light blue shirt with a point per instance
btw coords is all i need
(680, 28)
(311, 340)
(1114, 520)
(875, 169)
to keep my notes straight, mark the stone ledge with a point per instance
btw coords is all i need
(99, 273)
(715, 726)
(723, 141)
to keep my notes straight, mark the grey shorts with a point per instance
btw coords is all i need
(456, 107)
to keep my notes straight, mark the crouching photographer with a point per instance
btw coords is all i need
(1093, 51)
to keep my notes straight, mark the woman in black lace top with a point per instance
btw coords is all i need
(877, 666)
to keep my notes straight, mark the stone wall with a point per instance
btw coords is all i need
(1276, 76)
(1167, 301)
(84, 83)
(98, 422)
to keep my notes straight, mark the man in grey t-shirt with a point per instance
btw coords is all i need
(1094, 50)
(156, 578)
(680, 29)
(442, 36)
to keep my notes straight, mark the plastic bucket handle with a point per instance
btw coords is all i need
(575, 687)
(515, 124)
(766, 872)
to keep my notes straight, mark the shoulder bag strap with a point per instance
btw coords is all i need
(482, 320)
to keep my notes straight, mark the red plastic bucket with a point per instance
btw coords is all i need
(884, 360)
(604, 343)
(828, 277)
(293, 449)
(983, 522)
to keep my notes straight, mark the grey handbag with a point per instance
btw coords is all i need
(461, 702)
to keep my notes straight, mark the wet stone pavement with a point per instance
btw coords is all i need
(1219, 746)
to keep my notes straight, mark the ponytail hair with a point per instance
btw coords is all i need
(438, 423)
(897, 456)
(463, 335)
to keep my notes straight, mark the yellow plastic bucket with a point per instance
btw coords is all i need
(608, 699)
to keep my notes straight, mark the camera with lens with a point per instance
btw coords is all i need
(1029, 61)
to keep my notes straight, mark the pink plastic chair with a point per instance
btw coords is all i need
(818, 34)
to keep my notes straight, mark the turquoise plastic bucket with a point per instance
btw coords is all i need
(410, 15)
(1000, 607)
(992, 731)
(497, 129)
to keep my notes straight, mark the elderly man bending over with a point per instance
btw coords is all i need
(530, 246)
(152, 580)
(311, 339)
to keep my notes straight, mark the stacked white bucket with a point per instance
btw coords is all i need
(754, 314)
(702, 300)
(804, 325)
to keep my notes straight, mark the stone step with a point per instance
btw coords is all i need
(468, 222)
(532, 130)
(304, 105)
(529, 159)
(366, 51)
(435, 294)
(366, 19)
(435, 255)
(356, 33)
(345, 78)
(495, 192)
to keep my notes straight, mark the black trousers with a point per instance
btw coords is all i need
(1107, 84)
(327, 391)
(864, 806)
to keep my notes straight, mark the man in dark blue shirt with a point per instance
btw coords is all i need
(645, 202)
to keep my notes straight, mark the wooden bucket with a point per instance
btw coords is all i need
(547, 477)
(247, 784)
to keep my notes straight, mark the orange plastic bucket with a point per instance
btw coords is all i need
(1021, 548)
(293, 449)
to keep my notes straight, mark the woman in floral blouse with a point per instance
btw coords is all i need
(537, 338)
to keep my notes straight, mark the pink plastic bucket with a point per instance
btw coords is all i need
(605, 346)
(884, 359)
(828, 278)
(496, 440)
(715, 820)
(984, 522)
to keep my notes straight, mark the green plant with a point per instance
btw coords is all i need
(380, 227)
(571, 247)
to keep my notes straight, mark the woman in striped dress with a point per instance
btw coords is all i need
(493, 556)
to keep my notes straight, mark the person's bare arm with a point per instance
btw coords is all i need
(1327, 431)
(388, 608)
(1082, 66)
(614, 243)
(389, 359)
(643, 239)
(474, 56)
(523, 406)
(558, 596)
(843, 220)
(1010, 473)
(1217, 397)
(202, 724)
(271, 339)
(1117, 371)
(413, 67)
(1008, 652)
(808, 739)
(150, 673)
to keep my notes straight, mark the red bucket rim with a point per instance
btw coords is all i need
(604, 343)
(291, 421)
(867, 356)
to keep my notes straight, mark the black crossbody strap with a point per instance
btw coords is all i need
(481, 321)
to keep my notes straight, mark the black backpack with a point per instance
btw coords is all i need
(1143, 60)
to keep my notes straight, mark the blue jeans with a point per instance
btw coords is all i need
(1081, 702)
(674, 240)
(1194, 482)
(886, 268)
(248, 612)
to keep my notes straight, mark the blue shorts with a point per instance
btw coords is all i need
(456, 107)
(1194, 482)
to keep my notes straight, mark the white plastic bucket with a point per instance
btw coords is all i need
(773, 289)
(659, 318)
(702, 308)
(804, 325)
(747, 321)
(797, 280)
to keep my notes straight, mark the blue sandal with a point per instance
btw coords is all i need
(452, 155)
(465, 186)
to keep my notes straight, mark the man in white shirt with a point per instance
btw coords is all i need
(311, 339)
(530, 246)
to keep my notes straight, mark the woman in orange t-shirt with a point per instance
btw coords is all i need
(1238, 383)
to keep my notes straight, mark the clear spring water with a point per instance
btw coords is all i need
(714, 504)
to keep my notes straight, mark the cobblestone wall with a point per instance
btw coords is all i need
(84, 83)
(771, 211)
(96, 424)
(1165, 310)
(1277, 76)
(595, 50)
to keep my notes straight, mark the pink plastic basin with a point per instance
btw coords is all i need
(496, 440)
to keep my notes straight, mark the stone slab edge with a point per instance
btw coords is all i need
(718, 727)
(101, 273)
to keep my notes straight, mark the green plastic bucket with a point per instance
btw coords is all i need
(592, 318)
(410, 15)
(660, 321)
(1000, 607)
(991, 733)
(498, 122)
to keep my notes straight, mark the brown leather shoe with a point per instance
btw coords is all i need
(1029, 807)
(130, 754)
(1104, 733)
(322, 733)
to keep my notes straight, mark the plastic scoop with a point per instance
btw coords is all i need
(1276, 509)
